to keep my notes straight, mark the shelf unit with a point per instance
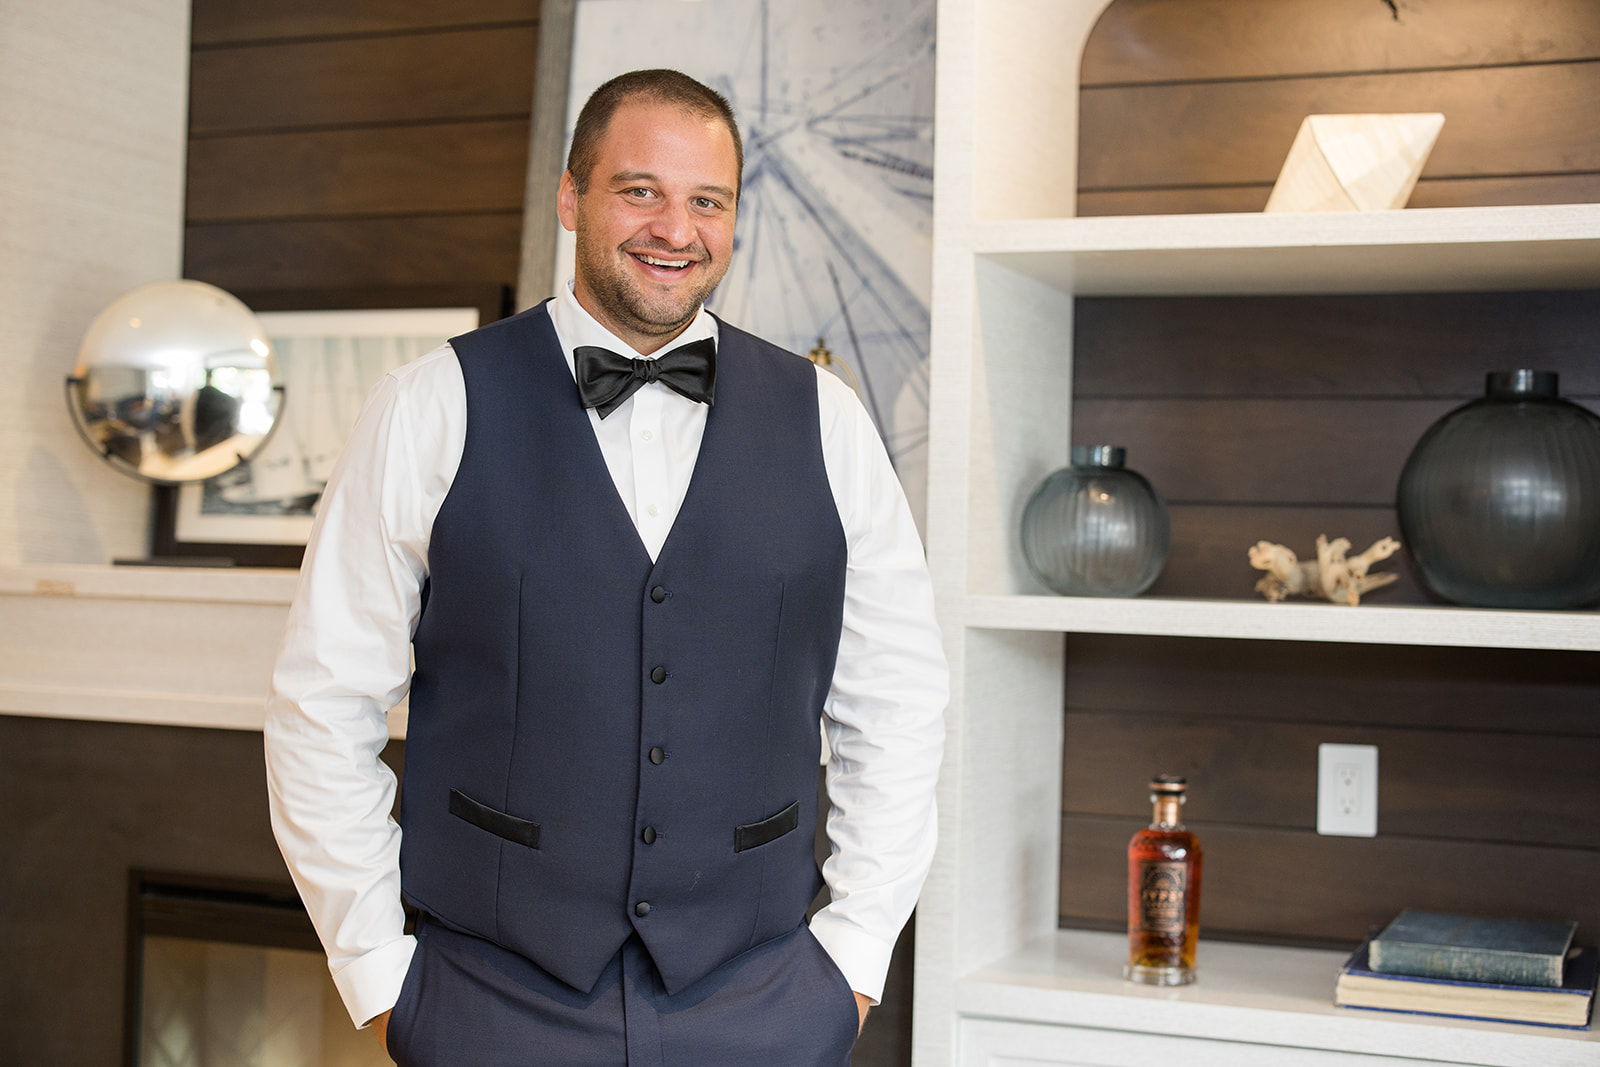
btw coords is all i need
(996, 982)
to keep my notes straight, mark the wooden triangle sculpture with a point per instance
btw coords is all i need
(1354, 162)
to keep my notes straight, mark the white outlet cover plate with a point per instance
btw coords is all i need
(1347, 790)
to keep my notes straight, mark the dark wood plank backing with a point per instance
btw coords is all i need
(1429, 192)
(1487, 799)
(1211, 543)
(1498, 120)
(1447, 784)
(451, 74)
(351, 144)
(392, 170)
(1484, 690)
(1420, 345)
(422, 250)
(1293, 451)
(1298, 887)
(218, 22)
(1191, 105)
(1280, 418)
(1139, 41)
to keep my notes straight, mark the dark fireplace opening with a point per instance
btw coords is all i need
(229, 973)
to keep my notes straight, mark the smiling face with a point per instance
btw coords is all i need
(655, 225)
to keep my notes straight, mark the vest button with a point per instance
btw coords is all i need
(658, 755)
(658, 594)
(641, 909)
(658, 675)
(649, 835)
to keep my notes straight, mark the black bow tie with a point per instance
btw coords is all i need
(606, 379)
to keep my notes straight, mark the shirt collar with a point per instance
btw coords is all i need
(576, 327)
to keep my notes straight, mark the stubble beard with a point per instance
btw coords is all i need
(625, 302)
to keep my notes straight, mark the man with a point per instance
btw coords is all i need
(633, 577)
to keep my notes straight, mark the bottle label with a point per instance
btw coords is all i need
(1162, 886)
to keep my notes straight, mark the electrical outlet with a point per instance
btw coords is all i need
(1347, 790)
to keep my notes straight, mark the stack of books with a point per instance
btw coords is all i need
(1502, 970)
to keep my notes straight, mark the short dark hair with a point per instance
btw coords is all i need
(658, 86)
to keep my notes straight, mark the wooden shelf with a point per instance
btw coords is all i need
(1258, 620)
(1246, 993)
(1418, 250)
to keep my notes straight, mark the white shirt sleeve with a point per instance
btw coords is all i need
(345, 661)
(885, 712)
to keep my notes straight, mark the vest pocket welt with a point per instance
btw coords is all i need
(520, 831)
(754, 834)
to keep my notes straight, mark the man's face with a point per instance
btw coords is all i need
(655, 229)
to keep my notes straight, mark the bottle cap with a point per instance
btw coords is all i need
(1168, 784)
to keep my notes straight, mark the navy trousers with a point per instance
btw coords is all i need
(467, 1002)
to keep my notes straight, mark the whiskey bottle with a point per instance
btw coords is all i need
(1163, 891)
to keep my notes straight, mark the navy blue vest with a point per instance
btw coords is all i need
(598, 744)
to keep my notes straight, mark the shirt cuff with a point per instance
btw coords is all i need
(370, 985)
(862, 958)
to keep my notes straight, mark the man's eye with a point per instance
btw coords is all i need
(640, 194)
(705, 204)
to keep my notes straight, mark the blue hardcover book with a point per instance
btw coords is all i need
(1428, 944)
(1566, 1006)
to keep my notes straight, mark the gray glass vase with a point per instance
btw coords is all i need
(1096, 528)
(1499, 503)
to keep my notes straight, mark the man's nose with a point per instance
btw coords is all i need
(674, 225)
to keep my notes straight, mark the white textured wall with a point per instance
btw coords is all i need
(93, 104)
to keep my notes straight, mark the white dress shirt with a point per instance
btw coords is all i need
(345, 659)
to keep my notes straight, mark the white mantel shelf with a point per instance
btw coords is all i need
(1259, 620)
(1245, 993)
(172, 646)
(1415, 250)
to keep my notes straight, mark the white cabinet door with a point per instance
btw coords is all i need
(988, 1043)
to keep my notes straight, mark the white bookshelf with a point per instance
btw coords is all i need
(997, 982)
(1257, 620)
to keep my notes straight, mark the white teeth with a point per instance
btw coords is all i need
(654, 262)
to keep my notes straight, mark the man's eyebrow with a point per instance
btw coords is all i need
(629, 176)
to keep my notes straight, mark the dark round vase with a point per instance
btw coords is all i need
(1096, 528)
(1499, 504)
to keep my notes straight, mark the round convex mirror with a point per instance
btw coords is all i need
(175, 382)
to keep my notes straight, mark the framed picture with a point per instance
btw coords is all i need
(260, 513)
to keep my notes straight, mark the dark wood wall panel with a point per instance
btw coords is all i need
(409, 78)
(1412, 345)
(1295, 886)
(350, 145)
(1191, 105)
(1455, 784)
(230, 21)
(1429, 192)
(423, 250)
(1171, 40)
(80, 804)
(1498, 120)
(1210, 450)
(1544, 693)
(1211, 543)
(396, 170)
(1308, 407)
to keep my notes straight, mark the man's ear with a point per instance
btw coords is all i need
(567, 201)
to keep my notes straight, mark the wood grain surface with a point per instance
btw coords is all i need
(1140, 41)
(222, 22)
(421, 250)
(451, 74)
(1299, 887)
(1191, 105)
(389, 170)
